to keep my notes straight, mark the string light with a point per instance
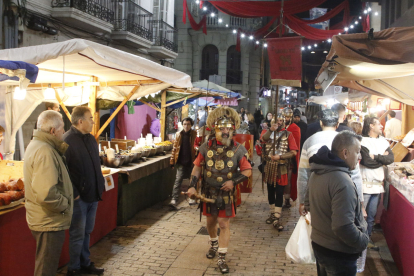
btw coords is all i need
(234, 31)
(257, 42)
(376, 13)
(212, 14)
(346, 29)
(265, 45)
(227, 25)
(204, 8)
(325, 52)
(339, 33)
(360, 17)
(315, 45)
(220, 20)
(329, 40)
(197, 2)
(369, 9)
(365, 11)
(312, 52)
(251, 37)
(303, 48)
(242, 35)
(352, 26)
(309, 47)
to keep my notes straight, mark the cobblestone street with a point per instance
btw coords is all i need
(158, 241)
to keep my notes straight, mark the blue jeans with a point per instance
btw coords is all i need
(327, 265)
(83, 221)
(182, 172)
(371, 205)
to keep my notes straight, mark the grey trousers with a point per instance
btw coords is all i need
(48, 250)
(182, 172)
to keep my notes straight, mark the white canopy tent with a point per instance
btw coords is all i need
(82, 71)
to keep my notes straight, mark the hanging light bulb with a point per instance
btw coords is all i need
(356, 22)
(315, 45)
(346, 29)
(303, 48)
(329, 40)
(242, 35)
(365, 11)
(213, 14)
(257, 42)
(312, 52)
(49, 93)
(360, 17)
(227, 25)
(204, 8)
(251, 37)
(339, 33)
(352, 26)
(369, 9)
(325, 52)
(265, 45)
(309, 47)
(376, 13)
(197, 2)
(19, 94)
(220, 20)
(234, 31)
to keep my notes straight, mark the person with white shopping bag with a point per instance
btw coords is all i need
(339, 231)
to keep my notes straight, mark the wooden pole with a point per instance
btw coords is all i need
(163, 113)
(121, 105)
(63, 106)
(180, 100)
(92, 105)
(154, 107)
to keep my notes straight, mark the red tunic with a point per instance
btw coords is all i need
(295, 130)
(243, 165)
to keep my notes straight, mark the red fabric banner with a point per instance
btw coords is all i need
(285, 58)
(196, 26)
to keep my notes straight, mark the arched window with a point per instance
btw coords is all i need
(234, 75)
(209, 62)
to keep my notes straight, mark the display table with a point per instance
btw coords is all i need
(143, 185)
(397, 223)
(18, 247)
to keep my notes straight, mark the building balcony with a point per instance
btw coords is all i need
(234, 77)
(164, 38)
(91, 15)
(133, 25)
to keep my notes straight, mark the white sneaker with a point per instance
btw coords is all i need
(192, 201)
(173, 203)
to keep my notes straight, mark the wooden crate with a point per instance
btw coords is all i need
(10, 169)
(399, 152)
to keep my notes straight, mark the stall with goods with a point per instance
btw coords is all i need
(72, 73)
(380, 63)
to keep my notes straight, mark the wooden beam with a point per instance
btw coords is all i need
(121, 105)
(66, 72)
(92, 105)
(180, 100)
(63, 106)
(163, 113)
(129, 83)
(53, 85)
(156, 108)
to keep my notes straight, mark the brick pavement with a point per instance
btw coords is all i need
(158, 241)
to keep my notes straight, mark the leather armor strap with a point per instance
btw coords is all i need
(193, 183)
(239, 178)
(287, 155)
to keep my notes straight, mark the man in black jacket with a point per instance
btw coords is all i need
(88, 184)
(302, 125)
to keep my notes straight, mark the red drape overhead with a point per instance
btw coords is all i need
(196, 26)
(249, 9)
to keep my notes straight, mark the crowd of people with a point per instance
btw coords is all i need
(335, 165)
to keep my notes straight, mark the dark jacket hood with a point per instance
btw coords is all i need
(325, 161)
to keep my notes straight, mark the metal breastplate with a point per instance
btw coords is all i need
(280, 148)
(221, 164)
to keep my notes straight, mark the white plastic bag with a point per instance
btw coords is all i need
(299, 247)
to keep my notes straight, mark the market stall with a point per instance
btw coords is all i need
(382, 64)
(72, 73)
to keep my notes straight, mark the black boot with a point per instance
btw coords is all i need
(212, 250)
(91, 269)
(221, 262)
(287, 203)
(73, 272)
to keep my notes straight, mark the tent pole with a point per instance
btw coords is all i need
(180, 100)
(63, 106)
(92, 105)
(163, 113)
(121, 105)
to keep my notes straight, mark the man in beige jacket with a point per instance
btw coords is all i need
(48, 190)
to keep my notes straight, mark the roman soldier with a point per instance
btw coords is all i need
(224, 165)
(291, 188)
(279, 148)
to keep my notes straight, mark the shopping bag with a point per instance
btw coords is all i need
(299, 247)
